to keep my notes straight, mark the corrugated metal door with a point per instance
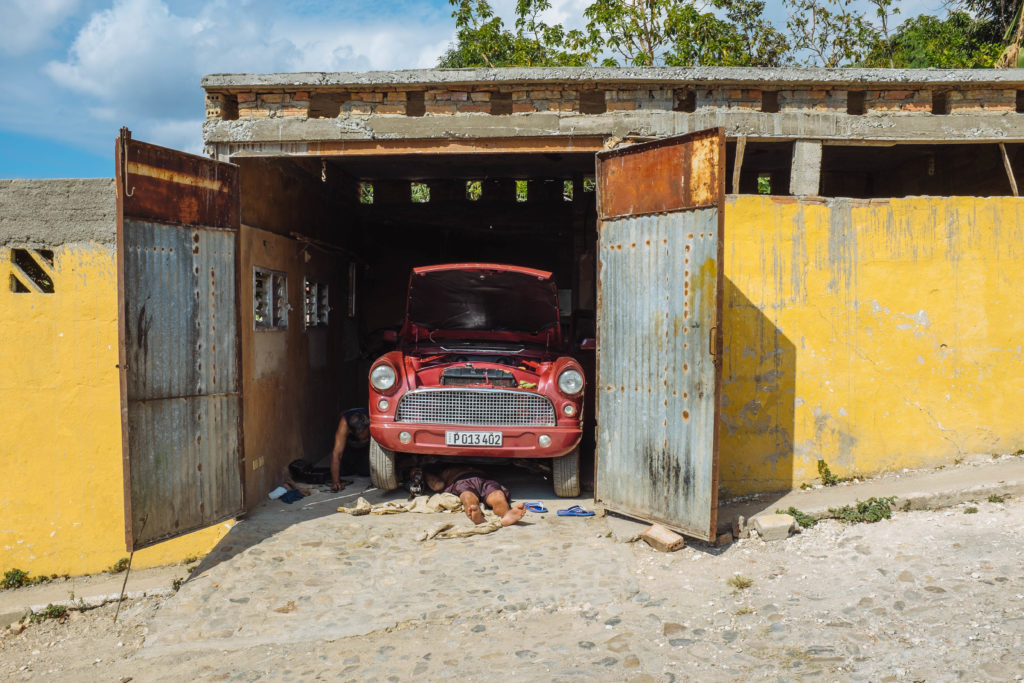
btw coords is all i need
(659, 342)
(177, 258)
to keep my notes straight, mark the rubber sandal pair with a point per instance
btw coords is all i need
(536, 507)
(575, 511)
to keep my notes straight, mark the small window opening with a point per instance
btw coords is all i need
(474, 190)
(1020, 101)
(855, 103)
(315, 304)
(414, 103)
(589, 183)
(567, 190)
(686, 101)
(940, 103)
(269, 299)
(522, 190)
(501, 103)
(229, 108)
(419, 193)
(764, 183)
(326, 105)
(366, 193)
(770, 101)
(32, 271)
(593, 102)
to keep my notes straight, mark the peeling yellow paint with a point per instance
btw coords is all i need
(61, 510)
(876, 335)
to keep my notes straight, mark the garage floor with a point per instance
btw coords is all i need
(300, 593)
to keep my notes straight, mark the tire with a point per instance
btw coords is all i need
(566, 473)
(382, 467)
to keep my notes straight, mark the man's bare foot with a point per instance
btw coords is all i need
(474, 513)
(513, 515)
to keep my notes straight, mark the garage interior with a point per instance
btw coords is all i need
(358, 224)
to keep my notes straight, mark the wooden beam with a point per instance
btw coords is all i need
(741, 146)
(1009, 169)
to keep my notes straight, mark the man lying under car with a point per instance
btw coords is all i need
(472, 487)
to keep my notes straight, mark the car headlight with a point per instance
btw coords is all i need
(570, 382)
(383, 377)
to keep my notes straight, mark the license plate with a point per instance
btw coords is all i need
(453, 438)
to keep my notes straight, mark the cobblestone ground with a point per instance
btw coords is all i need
(303, 593)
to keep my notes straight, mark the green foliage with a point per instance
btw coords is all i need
(743, 38)
(474, 190)
(51, 611)
(483, 40)
(958, 41)
(176, 584)
(802, 518)
(764, 185)
(970, 510)
(740, 582)
(827, 478)
(522, 190)
(118, 566)
(420, 193)
(996, 499)
(366, 193)
(15, 578)
(828, 33)
(870, 511)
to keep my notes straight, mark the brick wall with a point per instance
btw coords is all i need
(589, 98)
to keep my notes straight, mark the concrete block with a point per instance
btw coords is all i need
(774, 527)
(660, 538)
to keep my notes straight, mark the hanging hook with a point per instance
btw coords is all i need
(323, 170)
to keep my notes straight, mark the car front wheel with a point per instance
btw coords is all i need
(566, 473)
(382, 467)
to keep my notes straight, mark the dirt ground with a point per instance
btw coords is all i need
(303, 594)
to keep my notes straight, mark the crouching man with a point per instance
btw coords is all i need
(472, 487)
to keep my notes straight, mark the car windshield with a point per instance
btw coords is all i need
(483, 300)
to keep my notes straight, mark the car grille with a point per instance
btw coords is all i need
(491, 407)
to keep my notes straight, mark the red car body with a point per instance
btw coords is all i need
(480, 354)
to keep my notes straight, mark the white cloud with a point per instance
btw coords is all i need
(139, 62)
(26, 25)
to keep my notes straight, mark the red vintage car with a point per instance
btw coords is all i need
(480, 371)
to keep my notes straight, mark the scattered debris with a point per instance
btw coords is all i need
(970, 510)
(723, 539)
(663, 539)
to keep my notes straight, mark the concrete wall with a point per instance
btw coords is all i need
(60, 431)
(875, 335)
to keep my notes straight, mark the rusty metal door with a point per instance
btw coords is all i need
(658, 329)
(178, 323)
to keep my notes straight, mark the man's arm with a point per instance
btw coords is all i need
(340, 437)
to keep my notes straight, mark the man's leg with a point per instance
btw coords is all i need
(498, 502)
(471, 506)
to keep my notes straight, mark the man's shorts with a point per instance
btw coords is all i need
(479, 486)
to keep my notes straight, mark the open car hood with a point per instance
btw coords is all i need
(482, 301)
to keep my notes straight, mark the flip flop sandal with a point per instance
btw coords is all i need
(536, 507)
(575, 511)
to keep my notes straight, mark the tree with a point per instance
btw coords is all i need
(830, 33)
(957, 42)
(483, 40)
(743, 38)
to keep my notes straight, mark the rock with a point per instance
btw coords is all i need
(723, 539)
(17, 627)
(774, 527)
(670, 628)
(663, 539)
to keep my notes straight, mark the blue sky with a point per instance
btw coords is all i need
(75, 71)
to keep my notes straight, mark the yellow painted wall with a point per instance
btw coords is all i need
(875, 334)
(61, 509)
